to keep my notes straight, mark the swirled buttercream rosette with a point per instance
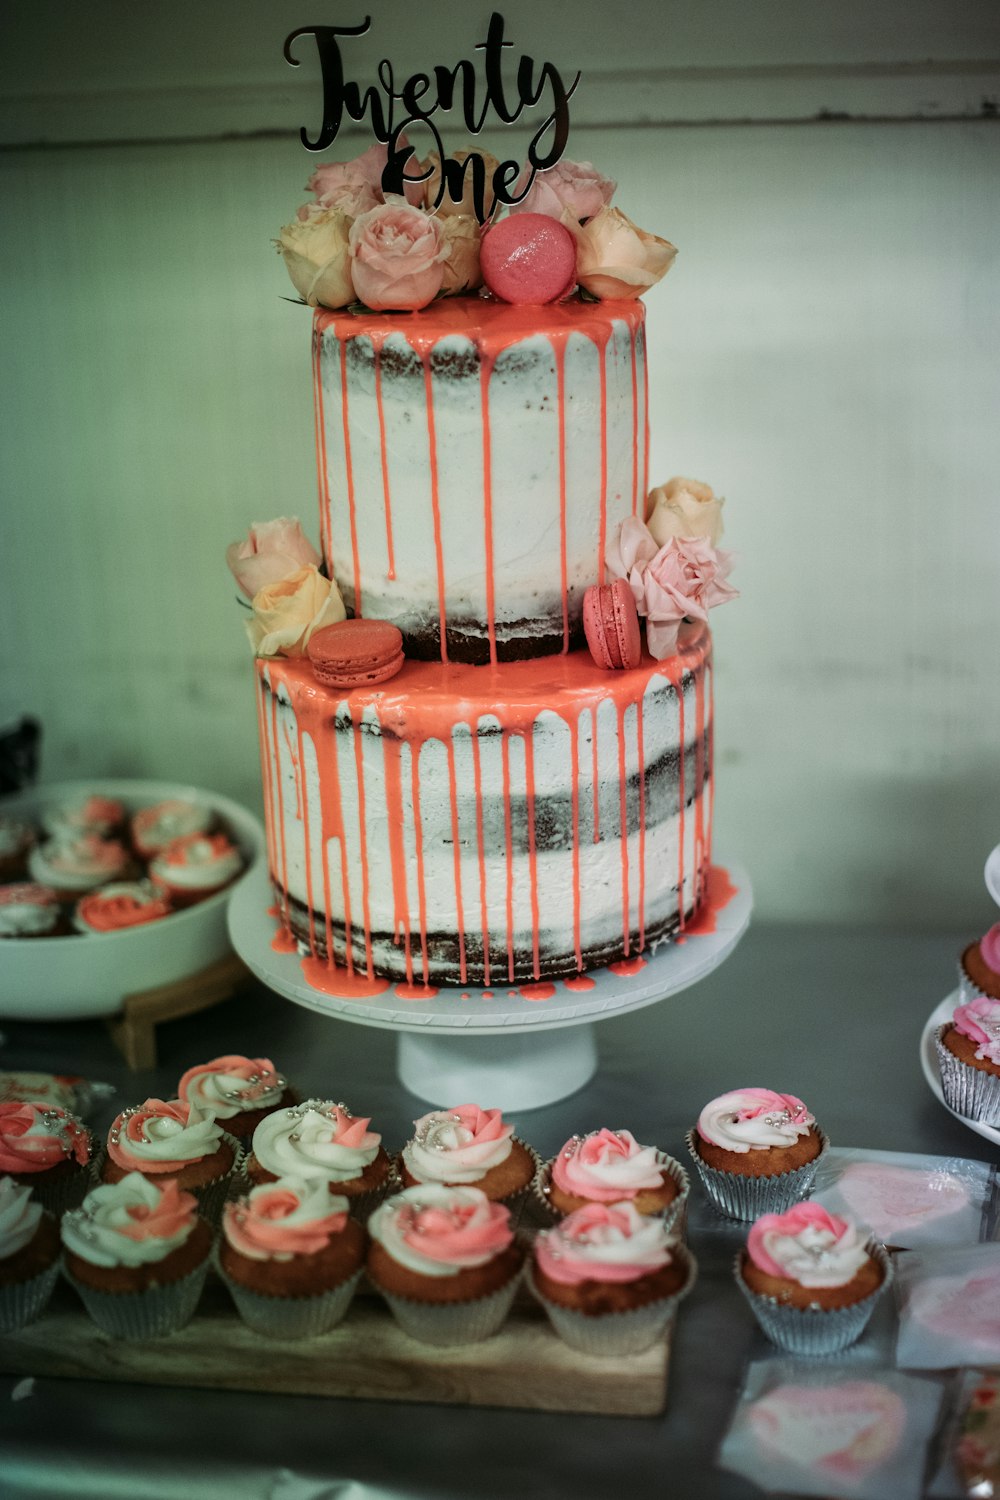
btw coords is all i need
(48, 1149)
(319, 1138)
(29, 1256)
(972, 1091)
(469, 1147)
(238, 1090)
(746, 1198)
(609, 1166)
(166, 1139)
(610, 1279)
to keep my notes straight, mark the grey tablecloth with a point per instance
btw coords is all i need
(831, 1015)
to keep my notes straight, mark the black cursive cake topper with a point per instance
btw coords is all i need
(422, 95)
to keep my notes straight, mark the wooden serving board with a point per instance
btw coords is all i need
(366, 1357)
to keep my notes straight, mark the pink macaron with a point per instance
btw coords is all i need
(611, 625)
(528, 258)
(356, 653)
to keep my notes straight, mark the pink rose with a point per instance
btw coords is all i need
(316, 256)
(397, 257)
(576, 187)
(271, 551)
(288, 613)
(683, 579)
(615, 258)
(343, 188)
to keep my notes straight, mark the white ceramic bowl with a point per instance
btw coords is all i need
(68, 978)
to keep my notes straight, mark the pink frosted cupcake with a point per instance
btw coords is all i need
(979, 966)
(321, 1139)
(469, 1147)
(44, 1147)
(756, 1151)
(77, 863)
(610, 1278)
(113, 908)
(28, 910)
(968, 1050)
(170, 1140)
(16, 841)
(29, 1256)
(86, 814)
(153, 828)
(240, 1091)
(610, 1166)
(196, 866)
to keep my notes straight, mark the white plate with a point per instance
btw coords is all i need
(70, 978)
(929, 1063)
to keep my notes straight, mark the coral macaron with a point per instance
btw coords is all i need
(528, 259)
(611, 625)
(356, 653)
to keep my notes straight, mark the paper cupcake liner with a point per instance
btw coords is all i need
(291, 1317)
(448, 1323)
(674, 1216)
(23, 1301)
(969, 1091)
(211, 1195)
(815, 1330)
(746, 1198)
(152, 1314)
(607, 1335)
(66, 1192)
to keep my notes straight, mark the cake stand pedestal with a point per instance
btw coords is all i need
(520, 1046)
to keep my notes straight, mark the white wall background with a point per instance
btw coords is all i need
(825, 352)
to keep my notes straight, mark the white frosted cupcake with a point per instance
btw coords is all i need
(153, 828)
(169, 1139)
(319, 1138)
(74, 864)
(47, 1149)
(191, 868)
(611, 1166)
(968, 1050)
(446, 1261)
(610, 1278)
(756, 1151)
(29, 1256)
(30, 910)
(123, 904)
(138, 1256)
(468, 1147)
(83, 814)
(240, 1091)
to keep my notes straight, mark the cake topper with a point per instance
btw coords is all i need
(420, 97)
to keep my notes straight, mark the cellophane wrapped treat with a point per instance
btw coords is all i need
(908, 1200)
(949, 1307)
(969, 1467)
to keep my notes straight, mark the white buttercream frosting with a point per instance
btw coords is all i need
(459, 1226)
(20, 1215)
(808, 1245)
(208, 860)
(164, 1132)
(247, 1084)
(109, 1228)
(606, 1240)
(315, 1139)
(459, 1145)
(753, 1120)
(27, 918)
(153, 827)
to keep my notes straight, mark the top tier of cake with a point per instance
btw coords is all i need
(476, 460)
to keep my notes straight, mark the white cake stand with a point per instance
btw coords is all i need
(516, 1049)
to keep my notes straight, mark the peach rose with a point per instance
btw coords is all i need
(315, 250)
(682, 580)
(461, 236)
(616, 259)
(447, 207)
(286, 613)
(271, 550)
(684, 507)
(346, 190)
(397, 257)
(576, 187)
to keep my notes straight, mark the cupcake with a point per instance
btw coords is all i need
(610, 1166)
(321, 1139)
(153, 828)
(29, 910)
(238, 1090)
(74, 864)
(756, 1151)
(81, 815)
(16, 840)
(172, 1142)
(291, 1257)
(196, 866)
(979, 966)
(610, 1278)
(29, 1256)
(47, 1149)
(137, 1253)
(811, 1279)
(112, 908)
(968, 1050)
(446, 1261)
(468, 1147)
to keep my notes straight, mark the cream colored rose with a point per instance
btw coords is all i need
(616, 259)
(287, 613)
(315, 251)
(684, 507)
(447, 207)
(461, 237)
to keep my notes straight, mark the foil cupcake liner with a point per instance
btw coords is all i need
(969, 1091)
(211, 1196)
(515, 1202)
(746, 1198)
(815, 1330)
(291, 1317)
(149, 1314)
(968, 990)
(608, 1335)
(674, 1216)
(23, 1301)
(450, 1323)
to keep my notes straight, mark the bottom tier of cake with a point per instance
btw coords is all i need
(485, 825)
